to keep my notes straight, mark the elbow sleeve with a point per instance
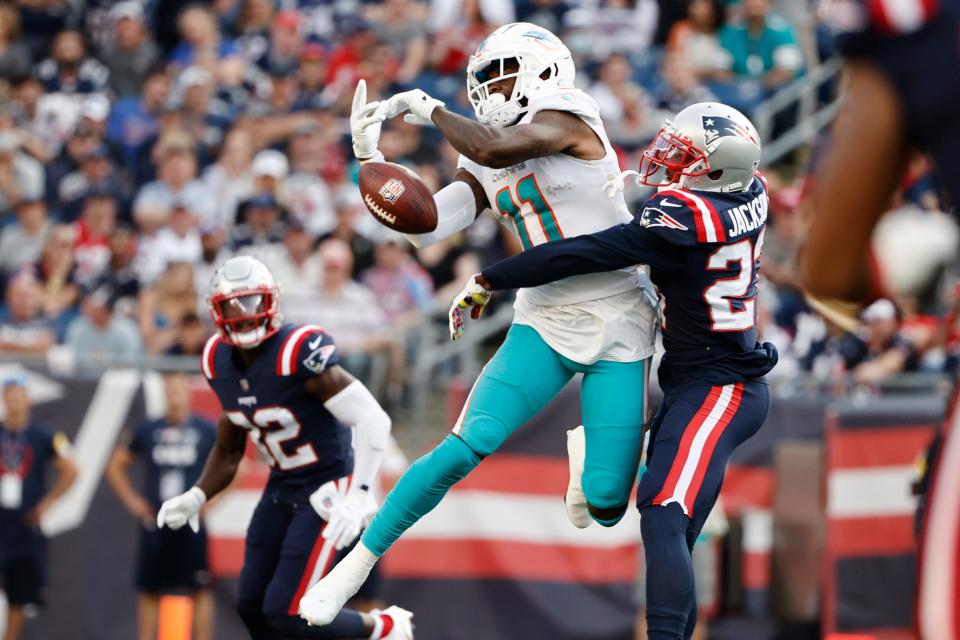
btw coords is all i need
(456, 209)
(356, 407)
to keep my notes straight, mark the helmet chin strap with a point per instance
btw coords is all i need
(501, 113)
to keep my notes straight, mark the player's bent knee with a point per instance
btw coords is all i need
(607, 496)
(452, 459)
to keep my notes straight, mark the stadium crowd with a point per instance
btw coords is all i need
(143, 143)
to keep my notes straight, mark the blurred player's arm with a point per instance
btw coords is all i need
(218, 472)
(854, 187)
(118, 477)
(66, 474)
(548, 133)
(618, 247)
(224, 458)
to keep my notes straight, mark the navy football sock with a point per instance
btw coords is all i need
(347, 624)
(670, 587)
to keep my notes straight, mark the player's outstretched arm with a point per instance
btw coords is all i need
(218, 472)
(350, 402)
(548, 133)
(618, 247)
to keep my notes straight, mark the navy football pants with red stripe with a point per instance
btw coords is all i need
(284, 556)
(691, 439)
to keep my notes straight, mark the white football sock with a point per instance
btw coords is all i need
(321, 604)
(578, 511)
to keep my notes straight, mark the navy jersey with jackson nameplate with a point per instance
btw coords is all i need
(301, 440)
(703, 250)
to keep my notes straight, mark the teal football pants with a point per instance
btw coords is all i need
(520, 379)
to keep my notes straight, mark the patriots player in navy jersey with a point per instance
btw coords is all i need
(701, 235)
(282, 386)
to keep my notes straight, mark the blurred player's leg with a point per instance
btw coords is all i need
(518, 381)
(148, 614)
(613, 399)
(265, 535)
(692, 438)
(203, 615)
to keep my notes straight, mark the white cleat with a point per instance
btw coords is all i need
(402, 624)
(578, 512)
(324, 600)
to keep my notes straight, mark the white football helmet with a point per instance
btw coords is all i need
(707, 147)
(545, 66)
(244, 302)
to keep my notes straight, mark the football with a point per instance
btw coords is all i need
(397, 197)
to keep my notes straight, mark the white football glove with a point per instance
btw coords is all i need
(418, 103)
(346, 516)
(182, 509)
(473, 297)
(364, 124)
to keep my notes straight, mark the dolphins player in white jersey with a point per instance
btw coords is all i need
(538, 157)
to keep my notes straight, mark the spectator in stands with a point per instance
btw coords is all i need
(100, 333)
(637, 123)
(23, 328)
(132, 53)
(214, 251)
(229, 181)
(201, 115)
(90, 247)
(69, 71)
(400, 284)
(164, 304)
(400, 25)
(121, 274)
(56, 273)
(285, 42)
(202, 43)
(81, 141)
(882, 351)
(22, 241)
(696, 39)
(344, 62)
(298, 268)
(447, 262)
(14, 55)
(190, 337)
(176, 180)
(28, 452)
(312, 74)
(349, 211)
(270, 169)
(21, 177)
(177, 241)
(305, 193)
(36, 132)
(345, 308)
(261, 230)
(763, 47)
(252, 27)
(459, 28)
(133, 120)
(680, 87)
(96, 172)
(613, 87)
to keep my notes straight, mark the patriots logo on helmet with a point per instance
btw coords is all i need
(715, 127)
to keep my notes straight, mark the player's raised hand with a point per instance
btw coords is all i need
(474, 297)
(364, 124)
(348, 516)
(417, 102)
(182, 509)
